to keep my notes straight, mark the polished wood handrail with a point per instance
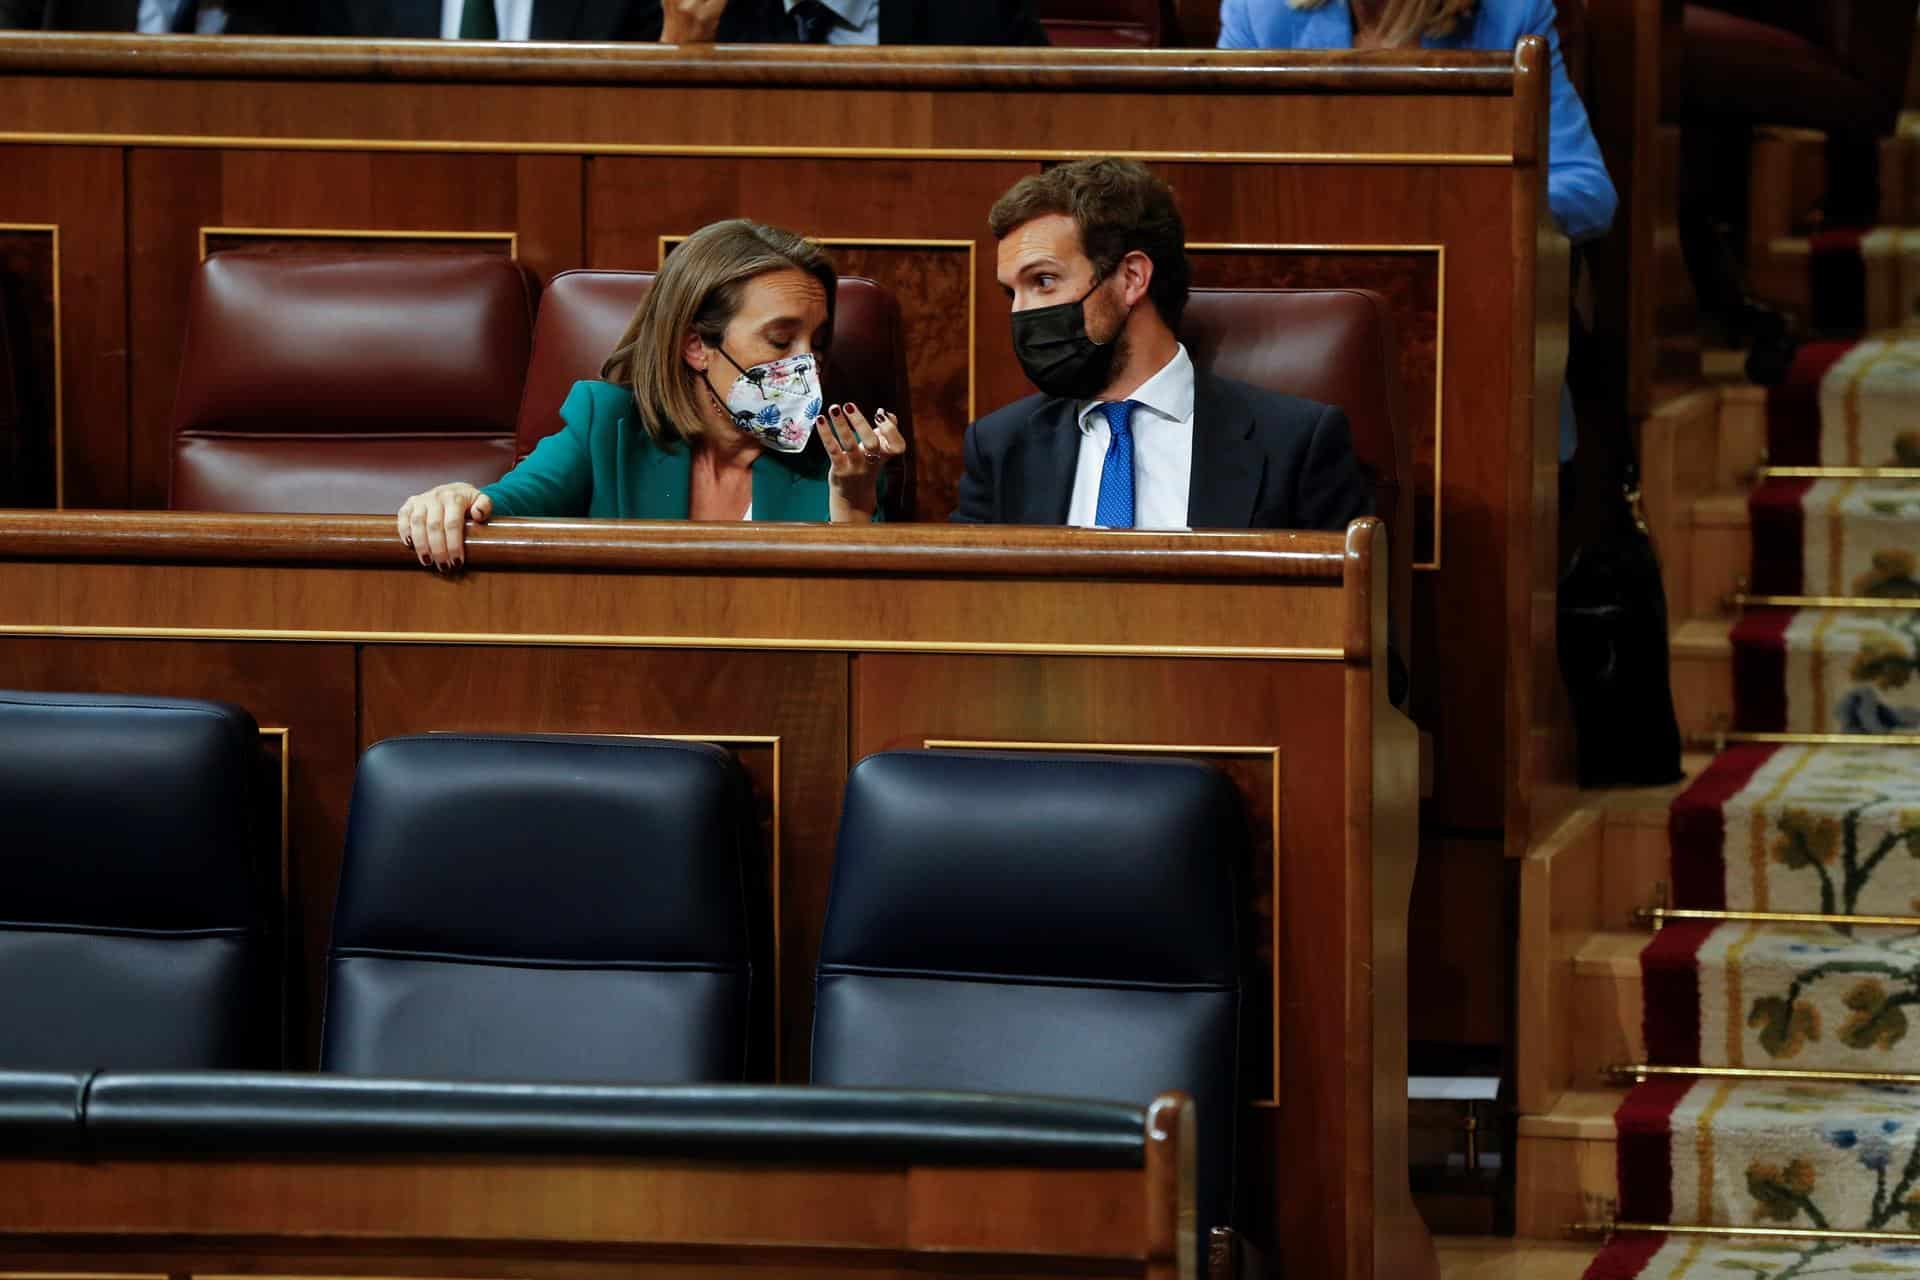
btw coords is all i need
(1170, 70)
(929, 550)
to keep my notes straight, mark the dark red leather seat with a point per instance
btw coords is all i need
(1816, 64)
(583, 314)
(1103, 24)
(1331, 345)
(346, 382)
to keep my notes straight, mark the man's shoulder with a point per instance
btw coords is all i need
(1003, 424)
(1265, 405)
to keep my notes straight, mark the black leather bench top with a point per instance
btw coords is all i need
(206, 1112)
(41, 1110)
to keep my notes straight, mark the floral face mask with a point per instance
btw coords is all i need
(776, 402)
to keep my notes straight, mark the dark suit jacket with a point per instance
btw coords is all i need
(244, 17)
(1260, 461)
(552, 19)
(1004, 22)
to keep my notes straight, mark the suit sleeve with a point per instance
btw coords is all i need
(1580, 192)
(557, 477)
(976, 487)
(21, 15)
(1236, 30)
(644, 21)
(1333, 487)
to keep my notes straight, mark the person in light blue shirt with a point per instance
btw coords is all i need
(1580, 195)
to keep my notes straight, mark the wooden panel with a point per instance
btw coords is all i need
(1410, 281)
(798, 699)
(295, 241)
(306, 689)
(29, 268)
(181, 194)
(1461, 941)
(960, 361)
(80, 192)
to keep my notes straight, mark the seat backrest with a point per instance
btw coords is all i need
(1059, 925)
(1115, 24)
(1335, 346)
(12, 413)
(346, 382)
(134, 880)
(543, 908)
(584, 313)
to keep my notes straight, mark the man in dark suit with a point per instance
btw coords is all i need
(980, 22)
(205, 17)
(482, 19)
(1125, 432)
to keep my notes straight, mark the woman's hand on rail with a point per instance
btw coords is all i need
(859, 450)
(690, 21)
(434, 523)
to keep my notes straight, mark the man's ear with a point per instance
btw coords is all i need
(1136, 273)
(695, 352)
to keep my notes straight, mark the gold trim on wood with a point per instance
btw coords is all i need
(1719, 740)
(882, 242)
(1768, 1233)
(356, 233)
(777, 151)
(1838, 473)
(535, 640)
(52, 231)
(1655, 917)
(1439, 342)
(1640, 1071)
(1272, 753)
(1741, 599)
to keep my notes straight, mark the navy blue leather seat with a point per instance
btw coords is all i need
(1058, 925)
(543, 909)
(133, 886)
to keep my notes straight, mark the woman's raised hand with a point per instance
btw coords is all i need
(434, 523)
(858, 449)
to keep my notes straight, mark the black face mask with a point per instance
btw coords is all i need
(1059, 357)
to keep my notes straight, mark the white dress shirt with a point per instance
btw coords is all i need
(859, 21)
(1162, 427)
(156, 17)
(515, 18)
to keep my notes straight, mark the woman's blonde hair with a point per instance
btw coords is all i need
(1405, 22)
(700, 288)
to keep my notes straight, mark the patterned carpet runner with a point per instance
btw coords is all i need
(1660, 1257)
(1827, 671)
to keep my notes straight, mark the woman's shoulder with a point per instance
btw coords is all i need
(1501, 23)
(599, 400)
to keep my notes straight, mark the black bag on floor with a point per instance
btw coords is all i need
(1613, 653)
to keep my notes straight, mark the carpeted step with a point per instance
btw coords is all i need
(1848, 404)
(1771, 1153)
(1800, 997)
(1863, 279)
(1827, 671)
(1836, 538)
(1834, 830)
(1683, 1257)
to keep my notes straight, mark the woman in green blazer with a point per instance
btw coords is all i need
(704, 410)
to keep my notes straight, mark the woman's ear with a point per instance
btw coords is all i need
(695, 352)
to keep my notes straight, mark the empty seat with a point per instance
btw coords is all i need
(543, 908)
(1335, 346)
(584, 313)
(1060, 925)
(1103, 24)
(346, 382)
(133, 886)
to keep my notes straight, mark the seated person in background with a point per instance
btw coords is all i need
(1125, 432)
(1580, 195)
(154, 17)
(710, 409)
(1004, 22)
(481, 19)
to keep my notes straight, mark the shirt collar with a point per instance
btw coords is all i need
(1167, 394)
(851, 12)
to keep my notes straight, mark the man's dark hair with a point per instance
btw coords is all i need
(1119, 206)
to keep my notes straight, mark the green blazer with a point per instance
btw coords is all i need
(605, 465)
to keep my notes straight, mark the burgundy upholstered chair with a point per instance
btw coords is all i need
(584, 313)
(1103, 24)
(1335, 346)
(1816, 64)
(346, 382)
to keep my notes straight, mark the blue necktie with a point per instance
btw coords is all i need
(1114, 509)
